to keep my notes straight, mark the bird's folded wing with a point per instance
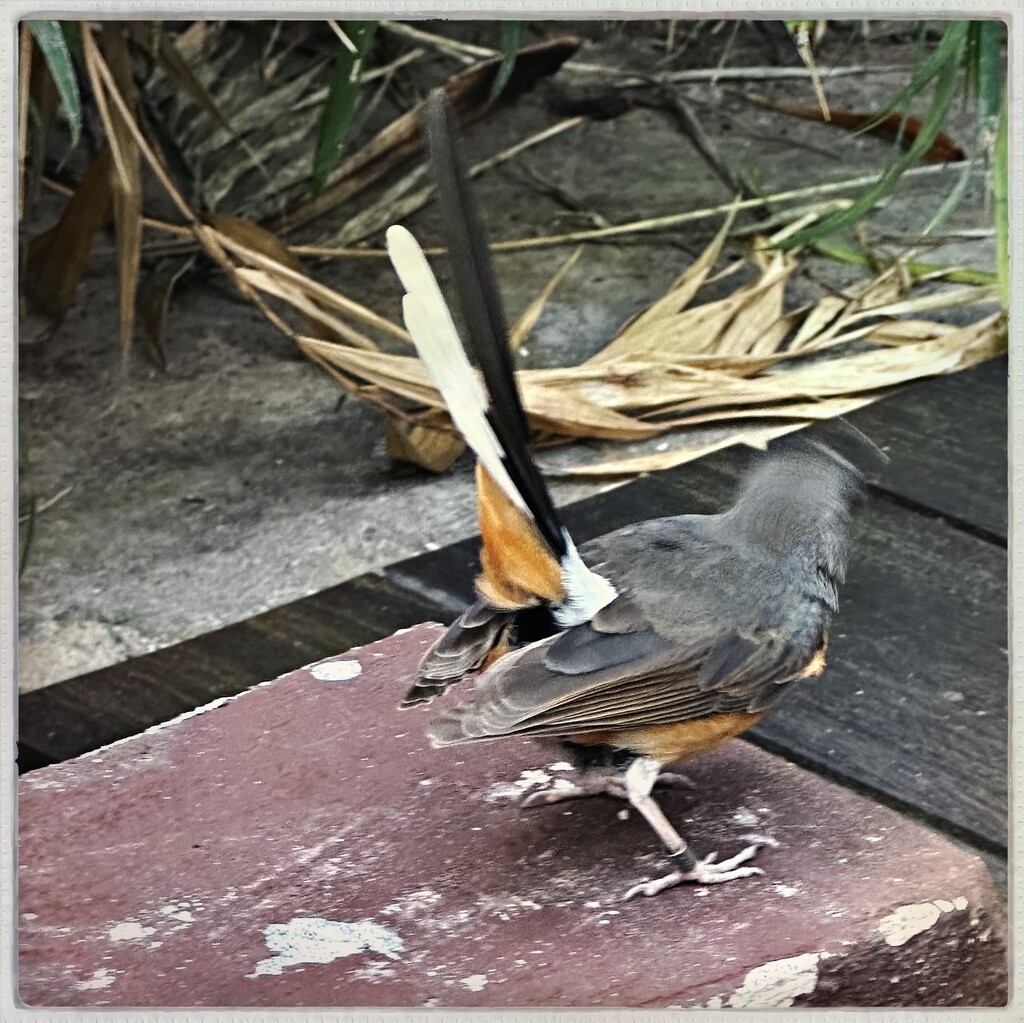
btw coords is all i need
(590, 679)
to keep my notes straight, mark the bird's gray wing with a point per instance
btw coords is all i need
(461, 649)
(617, 671)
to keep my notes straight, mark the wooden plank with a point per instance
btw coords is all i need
(92, 710)
(947, 441)
(914, 703)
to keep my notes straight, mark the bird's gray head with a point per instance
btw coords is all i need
(798, 501)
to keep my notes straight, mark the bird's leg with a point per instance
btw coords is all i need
(639, 781)
(635, 786)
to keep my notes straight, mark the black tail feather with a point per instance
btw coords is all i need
(484, 318)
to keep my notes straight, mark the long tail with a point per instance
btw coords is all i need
(523, 541)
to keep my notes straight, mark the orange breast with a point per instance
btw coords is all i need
(668, 743)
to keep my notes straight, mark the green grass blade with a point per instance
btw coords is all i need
(989, 74)
(73, 39)
(511, 34)
(951, 51)
(342, 100)
(942, 97)
(51, 42)
(1001, 209)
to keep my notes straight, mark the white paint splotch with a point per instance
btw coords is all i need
(315, 940)
(97, 982)
(130, 930)
(777, 984)
(477, 982)
(908, 921)
(336, 671)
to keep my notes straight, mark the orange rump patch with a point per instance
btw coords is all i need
(518, 568)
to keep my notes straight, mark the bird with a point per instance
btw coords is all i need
(646, 646)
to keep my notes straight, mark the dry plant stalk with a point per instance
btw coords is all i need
(740, 363)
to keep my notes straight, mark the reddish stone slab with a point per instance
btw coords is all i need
(210, 861)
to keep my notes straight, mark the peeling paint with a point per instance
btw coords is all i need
(336, 671)
(787, 891)
(744, 817)
(777, 984)
(418, 900)
(313, 939)
(36, 780)
(908, 921)
(97, 982)
(179, 911)
(130, 930)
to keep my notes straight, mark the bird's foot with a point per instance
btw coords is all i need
(705, 871)
(675, 780)
(588, 785)
(596, 785)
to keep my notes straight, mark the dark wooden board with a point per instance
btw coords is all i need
(914, 704)
(923, 617)
(947, 441)
(84, 713)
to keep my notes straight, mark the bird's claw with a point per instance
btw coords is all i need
(673, 779)
(595, 786)
(706, 871)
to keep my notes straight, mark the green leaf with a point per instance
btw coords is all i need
(1001, 209)
(511, 34)
(342, 100)
(51, 42)
(945, 78)
(988, 76)
(73, 40)
(949, 55)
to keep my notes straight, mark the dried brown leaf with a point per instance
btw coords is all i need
(469, 95)
(399, 201)
(328, 327)
(430, 447)
(155, 289)
(127, 184)
(679, 295)
(402, 375)
(668, 459)
(520, 330)
(750, 329)
(320, 294)
(55, 261)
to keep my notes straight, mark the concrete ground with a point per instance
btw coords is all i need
(237, 480)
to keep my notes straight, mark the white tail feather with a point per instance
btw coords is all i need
(586, 592)
(433, 331)
(430, 323)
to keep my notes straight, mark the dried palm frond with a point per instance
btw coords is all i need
(741, 363)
